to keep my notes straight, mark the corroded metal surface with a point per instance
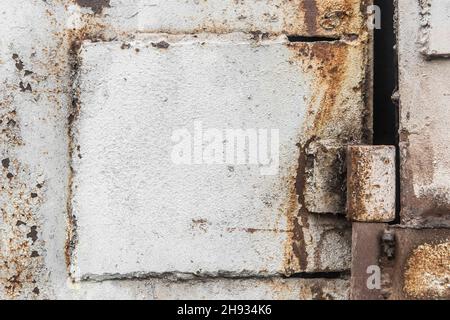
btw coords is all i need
(331, 18)
(414, 263)
(236, 223)
(38, 61)
(424, 116)
(371, 183)
(21, 246)
(427, 272)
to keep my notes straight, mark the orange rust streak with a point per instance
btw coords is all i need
(309, 7)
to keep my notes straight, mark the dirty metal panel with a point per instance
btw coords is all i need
(137, 212)
(414, 263)
(325, 176)
(424, 118)
(371, 190)
(435, 28)
(33, 150)
(294, 17)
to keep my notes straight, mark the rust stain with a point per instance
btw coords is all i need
(20, 244)
(22, 269)
(330, 67)
(91, 28)
(295, 254)
(336, 18)
(337, 70)
(9, 123)
(310, 10)
(358, 175)
(94, 30)
(371, 184)
(427, 272)
(96, 6)
(329, 115)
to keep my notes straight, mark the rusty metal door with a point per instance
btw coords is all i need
(189, 148)
(105, 106)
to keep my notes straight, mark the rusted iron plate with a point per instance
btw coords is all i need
(335, 18)
(371, 183)
(424, 118)
(413, 263)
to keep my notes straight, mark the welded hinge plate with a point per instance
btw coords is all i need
(371, 183)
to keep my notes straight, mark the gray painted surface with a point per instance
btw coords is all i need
(39, 51)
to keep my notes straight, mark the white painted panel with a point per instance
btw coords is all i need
(137, 211)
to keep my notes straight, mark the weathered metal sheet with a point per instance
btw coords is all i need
(38, 64)
(424, 117)
(325, 175)
(196, 216)
(335, 18)
(435, 23)
(33, 150)
(413, 263)
(371, 190)
(366, 250)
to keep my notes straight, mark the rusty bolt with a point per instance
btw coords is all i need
(388, 244)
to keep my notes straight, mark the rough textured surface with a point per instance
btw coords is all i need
(34, 101)
(334, 18)
(21, 246)
(219, 288)
(371, 183)
(427, 272)
(141, 213)
(196, 218)
(424, 117)
(325, 176)
(38, 60)
(435, 22)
